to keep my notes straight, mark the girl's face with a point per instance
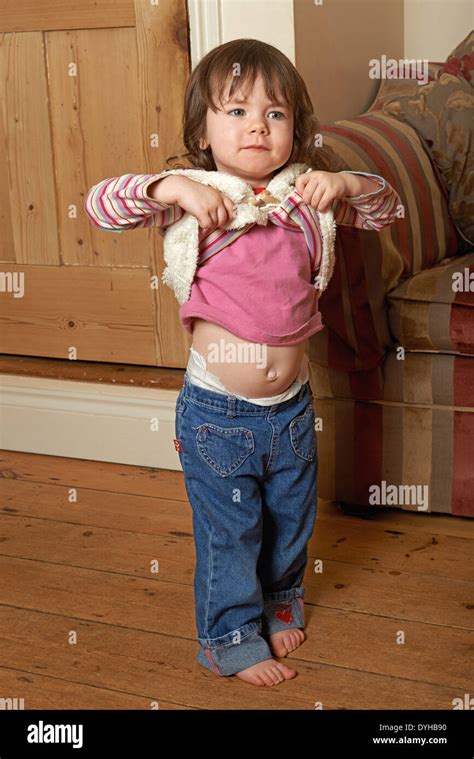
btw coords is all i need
(239, 124)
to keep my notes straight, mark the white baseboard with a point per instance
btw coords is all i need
(87, 420)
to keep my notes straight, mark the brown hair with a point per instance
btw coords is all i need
(253, 57)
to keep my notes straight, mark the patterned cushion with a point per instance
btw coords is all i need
(370, 264)
(442, 112)
(461, 61)
(433, 311)
(390, 89)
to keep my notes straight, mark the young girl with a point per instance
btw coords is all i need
(245, 426)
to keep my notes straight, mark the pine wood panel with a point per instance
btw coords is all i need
(104, 128)
(7, 248)
(74, 116)
(88, 371)
(105, 314)
(29, 153)
(23, 15)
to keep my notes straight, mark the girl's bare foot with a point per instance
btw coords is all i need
(284, 641)
(267, 672)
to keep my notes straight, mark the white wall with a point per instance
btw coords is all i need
(213, 22)
(434, 27)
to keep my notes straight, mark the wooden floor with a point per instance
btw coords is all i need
(82, 568)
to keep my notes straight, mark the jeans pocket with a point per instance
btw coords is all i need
(303, 434)
(224, 448)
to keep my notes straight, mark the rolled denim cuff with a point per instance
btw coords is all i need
(282, 610)
(235, 651)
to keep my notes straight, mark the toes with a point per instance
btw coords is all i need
(284, 643)
(290, 642)
(287, 672)
(296, 640)
(267, 676)
(276, 674)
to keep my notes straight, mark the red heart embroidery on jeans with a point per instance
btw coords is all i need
(285, 616)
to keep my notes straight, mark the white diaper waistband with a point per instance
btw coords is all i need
(198, 374)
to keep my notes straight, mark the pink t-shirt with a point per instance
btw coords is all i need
(258, 288)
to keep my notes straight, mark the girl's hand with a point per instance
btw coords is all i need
(320, 188)
(210, 207)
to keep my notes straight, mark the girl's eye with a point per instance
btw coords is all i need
(241, 109)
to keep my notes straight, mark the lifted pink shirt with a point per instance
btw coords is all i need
(259, 288)
(261, 285)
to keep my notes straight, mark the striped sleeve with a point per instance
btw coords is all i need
(372, 210)
(121, 203)
(296, 215)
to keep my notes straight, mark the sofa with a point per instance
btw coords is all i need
(392, 375)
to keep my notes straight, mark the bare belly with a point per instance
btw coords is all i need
(245, 368)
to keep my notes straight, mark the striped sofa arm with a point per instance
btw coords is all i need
(369, 264)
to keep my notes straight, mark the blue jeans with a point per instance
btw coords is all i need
(250, 473)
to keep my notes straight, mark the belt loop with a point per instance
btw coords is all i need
(230, 405)
(302, 391)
